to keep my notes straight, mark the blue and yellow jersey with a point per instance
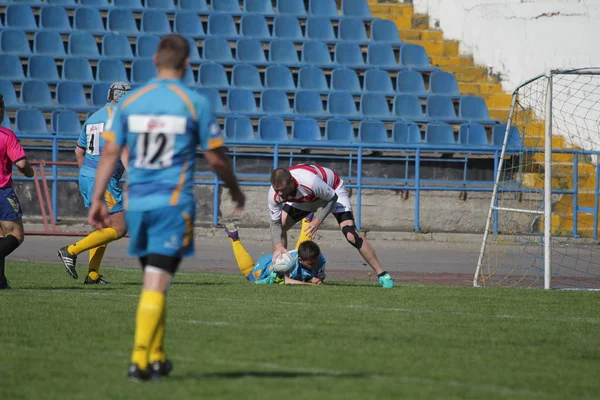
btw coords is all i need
(162, 123)
(91, 141)
(298, 272)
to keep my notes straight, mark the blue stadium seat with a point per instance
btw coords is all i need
(83, 44)
(10, 67)
(306, 129)
(217, 49)
(111, 70)
(71, 95)
(133, 4)
(155, 22)
(255, 26)
(316, 52)
(214, 98)
(20, 16)
(100, 94)
(406, 132)
(381, 55)
(198, 6)
(414, 56)
(246, 76)
(295, 7)
(411, 82)
(15, 42)
(408, 106)
(439, 133)
(55, 18)
(283, 52)
(308, 102)
(324, 8)
(122, 21)
(146, 45)
(168, 5)
(239, 128)
(258, 6)
(88, 19)
(345, 79)
(272, 129)
(42, 67)
(116, 45)
(30, 121)
(372, 131)
(385, 30)
(6, 122)
(374, 105)
(64, 3)
(440, 108)
(319, 28)
(142, 71)
(287, 27)
(250, 51)
(48, 43)
(473, 134)
(222, 25)
(212, 75)
(275, 101)
(228, 6)
(339, 129)
(65, 123)
(194, 53)
(378, 80)
(241, 101)
(356, 8)
(77, 69)
(7, 89)
(352, 29)
(35, 93)
(341, 103)
(188, 24)
(348, 54)
(95, 3)
(188, 78)
(443, 83)
(279, 77)
(514, 137)
(312, 78)
(473, 108)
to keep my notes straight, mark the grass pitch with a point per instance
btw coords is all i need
(230, 339)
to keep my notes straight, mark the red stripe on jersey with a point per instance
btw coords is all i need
(317, 169)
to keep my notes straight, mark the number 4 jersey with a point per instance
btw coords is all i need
(162, 123)
(91, 141)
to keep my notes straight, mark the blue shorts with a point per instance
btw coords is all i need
(113, 194)
(167, 231)
(10, 208)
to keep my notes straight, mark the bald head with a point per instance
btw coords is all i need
(280, 177)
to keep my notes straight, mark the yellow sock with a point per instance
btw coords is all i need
(149, 313)
(157, 351)
(94, 239)
(303, 235)
(96, 255)
(244, 260)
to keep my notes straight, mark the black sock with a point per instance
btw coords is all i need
(2, 276)
(382, 274)
(8, 245)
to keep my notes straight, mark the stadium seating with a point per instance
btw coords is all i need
(498, 133)
(308, 102)
(345, 79)
(353, 29)
(116, 46)
(48, 43)
(341, 104)
(14, 41)
(272, 129)
(439, 133)
(188, 24)
(306, 129)
(9, 94)
(372, 131)
(250, 51)
(30, 121)
(254, 26)
(42, 67)
(239, 128)
(258, 6)
(274, 101)
(340, 130)
(283, 52)
(35, 93)
(406, 132)
(65, 123)
(473, 134)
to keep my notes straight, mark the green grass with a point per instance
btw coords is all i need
(230, 339)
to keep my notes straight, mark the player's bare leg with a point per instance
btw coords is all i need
(13, 235)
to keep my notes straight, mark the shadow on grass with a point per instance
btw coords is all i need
(271, 374)
(177, 283)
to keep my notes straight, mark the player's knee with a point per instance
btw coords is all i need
(352, 236)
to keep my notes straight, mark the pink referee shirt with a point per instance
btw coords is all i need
(10, 152)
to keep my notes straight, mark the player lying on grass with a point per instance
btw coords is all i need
(306, 266)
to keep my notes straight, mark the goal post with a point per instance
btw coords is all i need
(542, 224)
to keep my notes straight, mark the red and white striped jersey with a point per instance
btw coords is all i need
(313, 183)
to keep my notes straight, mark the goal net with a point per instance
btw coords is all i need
(542, 226)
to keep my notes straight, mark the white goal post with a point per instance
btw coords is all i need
(542, 225)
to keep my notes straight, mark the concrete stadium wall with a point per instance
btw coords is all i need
(519, 39)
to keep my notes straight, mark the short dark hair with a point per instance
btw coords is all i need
(172, 52)
(280, 176)
(308, 250)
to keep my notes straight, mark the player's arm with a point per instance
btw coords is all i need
(290, 281)
(79, 155)
(125, 157)
(25, 167)
(81, 146)
(16, 154)
(323, 191)
(275, 211)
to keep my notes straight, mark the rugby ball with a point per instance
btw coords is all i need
(283, 264)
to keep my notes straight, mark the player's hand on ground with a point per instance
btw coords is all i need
(98, 215)
(312, 227)
(240, 201)
(316, 281)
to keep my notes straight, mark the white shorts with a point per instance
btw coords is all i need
(342, 204)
